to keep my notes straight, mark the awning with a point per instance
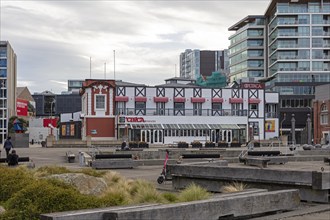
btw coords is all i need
(140, 99)
(186, 126)
(160, 99)
(215, 126)
(235, 100)
(179, 99)
(201, 126)
(197, 100)
(217, 100)
(147, 126)
(121, 98)
(171, 126)
(254, 101)
(229, 127)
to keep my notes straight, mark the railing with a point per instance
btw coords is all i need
(181, 112)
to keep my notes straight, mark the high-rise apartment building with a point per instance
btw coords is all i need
(296, 54)
(194, 63)
(8, 83)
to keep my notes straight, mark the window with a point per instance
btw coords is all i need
(140, 108)
(216, 109)
(100, 102)
(236, 108)
(197, 108)
(121, 108)
(160, 108)
(324, 117)
(178, 108)
(253, 110)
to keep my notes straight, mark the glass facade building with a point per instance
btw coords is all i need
(296, 54)
(8, 83)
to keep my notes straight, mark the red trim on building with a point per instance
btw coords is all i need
(160, 99)
(140, 99)
(197, 99)
(217, 100)
(235, 100)
(179, 99)
(254, 101)
(121, 98)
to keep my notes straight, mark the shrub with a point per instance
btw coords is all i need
(193, 192)
(51, 170)
(93, 172)
(234, 187)
(12, 180)
(115, 197)
(196, 144)
(44, 197)
(170, 197)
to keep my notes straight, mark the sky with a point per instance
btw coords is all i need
(136, 41)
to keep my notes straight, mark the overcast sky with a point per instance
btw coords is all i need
(54, 40)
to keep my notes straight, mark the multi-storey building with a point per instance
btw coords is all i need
(194, 63)
(297, 49)
(8, 82)
(75, 85)
(50, 104)
(174, 112)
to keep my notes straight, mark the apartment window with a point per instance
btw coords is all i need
(254, 128)
(271, 110)
(3, 62)
(3, 73)
(100, 102)
(253, 110)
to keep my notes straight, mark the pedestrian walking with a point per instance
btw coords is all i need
(8, 146)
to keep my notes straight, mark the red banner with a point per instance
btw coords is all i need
(50, 121)
(22, 107)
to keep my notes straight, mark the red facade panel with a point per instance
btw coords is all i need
(217, 100)
(235, 100)
(179, 99)
(254, 101)
(121, 98)
(199, 100)
(140, 99)
(160, 99)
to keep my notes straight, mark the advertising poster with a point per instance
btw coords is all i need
(270, 125)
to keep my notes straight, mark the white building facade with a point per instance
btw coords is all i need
(174, 112)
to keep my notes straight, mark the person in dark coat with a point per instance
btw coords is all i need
(8, 146)
(12, 158)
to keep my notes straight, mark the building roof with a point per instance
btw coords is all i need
(24, 93)
(244, 21)
(128, 84)
(177, 85)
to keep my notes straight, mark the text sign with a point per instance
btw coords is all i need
(253, 86)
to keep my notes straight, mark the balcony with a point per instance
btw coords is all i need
(180, 112)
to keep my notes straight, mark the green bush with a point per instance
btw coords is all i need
(44, 197)
(170, 197)
(193, 192)
(115, 198)
(51, 170)
(12, 180)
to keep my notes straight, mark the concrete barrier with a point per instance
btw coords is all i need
(241, 204)
(233, 206)
(313, 186)
(113, 164)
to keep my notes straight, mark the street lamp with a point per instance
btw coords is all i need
(51, 108)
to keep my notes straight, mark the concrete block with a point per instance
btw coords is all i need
(320, 180)
(113, 164)
(215, 208)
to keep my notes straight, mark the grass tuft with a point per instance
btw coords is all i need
(193, 192)
(234, 187)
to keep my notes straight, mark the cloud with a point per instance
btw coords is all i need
(54, 40)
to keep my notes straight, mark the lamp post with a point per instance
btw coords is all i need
(284, 115)
(51, 108)
(309, 130)
(293, 129)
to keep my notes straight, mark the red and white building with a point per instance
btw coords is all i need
(178, 111)
(98, 109)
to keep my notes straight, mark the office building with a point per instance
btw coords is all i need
(296, 55)
(75, 85)
(194, 63)
(8, 83)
